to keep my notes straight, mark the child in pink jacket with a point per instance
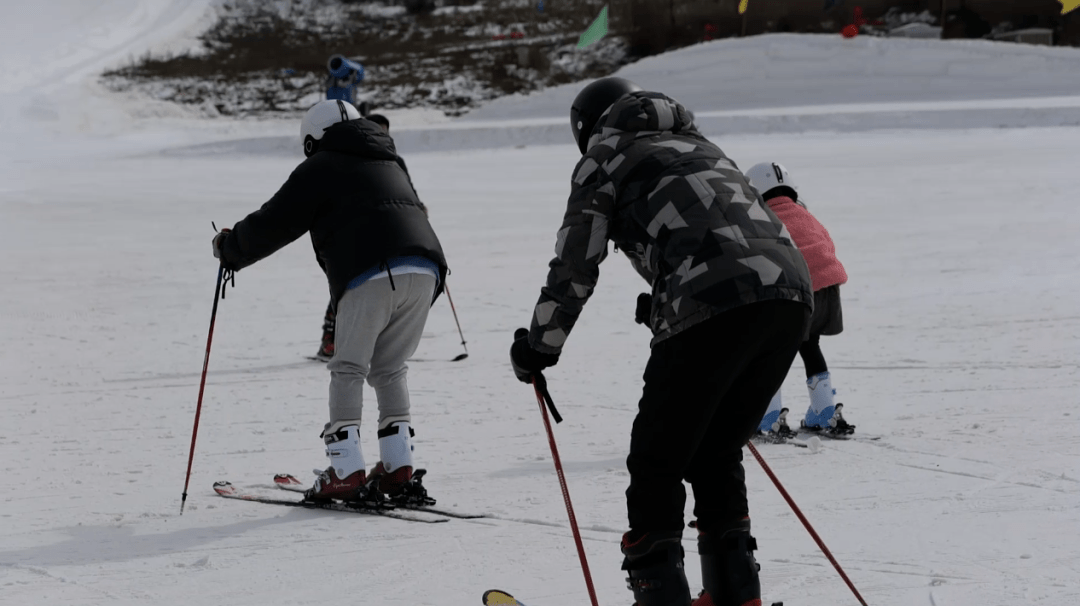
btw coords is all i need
(827, 274)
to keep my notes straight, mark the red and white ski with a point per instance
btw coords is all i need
(227, 490)
(289, 482)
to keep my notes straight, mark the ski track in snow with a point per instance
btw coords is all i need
(960, 349)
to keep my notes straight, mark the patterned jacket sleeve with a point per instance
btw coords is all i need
(579, 249)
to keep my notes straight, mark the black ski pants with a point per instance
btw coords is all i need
(828, 319)
(813, 359)
(706, 389)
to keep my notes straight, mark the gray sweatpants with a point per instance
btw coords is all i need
(378, 328)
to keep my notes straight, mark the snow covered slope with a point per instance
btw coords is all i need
(799, 83)
(960, 350)
(790, 70)
(53, 50)
(787, 83)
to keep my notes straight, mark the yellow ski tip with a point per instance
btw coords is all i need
(496, 597)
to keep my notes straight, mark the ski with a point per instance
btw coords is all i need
(227, 490)
(498, 597)
(289, 482)
(772, 438)
(828, 435)
(456, 358)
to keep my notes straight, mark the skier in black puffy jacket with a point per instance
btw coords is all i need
(731, 298)
(326, 345)
(385, 268)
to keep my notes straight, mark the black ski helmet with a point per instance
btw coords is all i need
(592, 102)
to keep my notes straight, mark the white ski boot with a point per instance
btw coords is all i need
(823, 414)
(394, 472)
(821, 401)
(346, 478)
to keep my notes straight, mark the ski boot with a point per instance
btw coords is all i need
(821, 412)
(411, 493)
(781, 427)
(345, 479)
(778, 432)
(393, 474)
(729, 571)
(772, 414)
(838, 425)
(654, 565)
(773, 428)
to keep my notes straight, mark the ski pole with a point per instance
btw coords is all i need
(466, 354)
(805, 522)
(543, 398)
(202, 385)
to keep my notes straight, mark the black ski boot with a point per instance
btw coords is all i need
(654, 563)
(729, 571)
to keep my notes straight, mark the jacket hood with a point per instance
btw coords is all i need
(359, 138)
(642, 112)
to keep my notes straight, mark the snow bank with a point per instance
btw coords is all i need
(785, 70)
(788, 83)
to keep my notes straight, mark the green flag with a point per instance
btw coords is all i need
(596, 31)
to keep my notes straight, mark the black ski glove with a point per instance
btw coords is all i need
(644, 308)
(527, 360)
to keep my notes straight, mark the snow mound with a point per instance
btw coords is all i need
(784, 70)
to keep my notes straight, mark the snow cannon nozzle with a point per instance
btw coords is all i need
(340, 67)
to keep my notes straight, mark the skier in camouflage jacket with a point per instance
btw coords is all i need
(731, 296)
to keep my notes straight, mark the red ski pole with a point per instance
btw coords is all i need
(543, 398)
(202, 386)
(805, 522)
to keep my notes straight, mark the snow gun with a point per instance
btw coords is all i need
(345, 77)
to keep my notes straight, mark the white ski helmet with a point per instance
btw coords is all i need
(767, 176)
(320, 117)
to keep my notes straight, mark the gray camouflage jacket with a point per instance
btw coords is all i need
(680, 210)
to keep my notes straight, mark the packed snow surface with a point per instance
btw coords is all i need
(960, 347)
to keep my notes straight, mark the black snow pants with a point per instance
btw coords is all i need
(706, 389)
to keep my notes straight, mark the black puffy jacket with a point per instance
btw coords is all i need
(355, 198)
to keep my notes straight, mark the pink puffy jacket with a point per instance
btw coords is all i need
(813, 241)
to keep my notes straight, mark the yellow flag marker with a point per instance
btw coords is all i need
(1068, 6)
(743, 3)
